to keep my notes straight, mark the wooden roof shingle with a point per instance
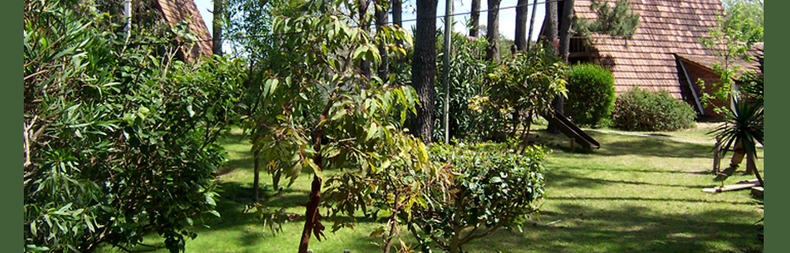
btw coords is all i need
(176, 11)
(666, 28)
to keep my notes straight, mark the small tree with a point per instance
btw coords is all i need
(317, 112)
(730, 40)
(524, 86)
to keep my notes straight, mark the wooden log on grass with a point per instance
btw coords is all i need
(732, 187)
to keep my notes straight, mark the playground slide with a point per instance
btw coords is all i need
(572, 131)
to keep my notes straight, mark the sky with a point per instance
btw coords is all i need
(507, 15)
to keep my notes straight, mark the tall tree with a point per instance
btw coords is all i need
(424, 68)
(381, 20)
(521, 25)
(473, 30)
(217, 27)
(492, 33)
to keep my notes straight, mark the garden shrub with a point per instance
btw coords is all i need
(590, 94)
(467, 73)
(119, 135)
(491, 188)
(642, 110)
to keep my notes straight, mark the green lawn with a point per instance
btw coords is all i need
(641, 192)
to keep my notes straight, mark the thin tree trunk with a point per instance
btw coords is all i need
(313, 218)
(531, 23)
(397, 20)
(492, 33)
(521, 25)
(381, 21)
(716, 157)
(424, 68)
(217, 28)
(312, 224)
(364, 66)
(474, 30)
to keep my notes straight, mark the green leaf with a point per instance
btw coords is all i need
(359, 51)
(36, 248)
(190, 111)
(315, 168)
(376, 233)
(33, 229)
(372, 130)
(338, 114)
(210, 200)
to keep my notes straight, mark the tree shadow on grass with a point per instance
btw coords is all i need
(700, 171)
(656, 199)
(656, 148)
(630, 228)
(560, 178)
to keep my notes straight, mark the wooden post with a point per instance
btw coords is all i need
(573, 144)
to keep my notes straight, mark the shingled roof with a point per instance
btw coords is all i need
(667, 28)
(176, 11)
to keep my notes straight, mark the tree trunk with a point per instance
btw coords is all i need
(217, 28)
(550, 31)
(364, 66)
(565, 29)
(473, 31)
(397, 20)
(313, 218)
(312, 223)
(492, 52)
(397, 13)
(565, 23)
(551, 34)
(531, 23)
(521, 25)
(381, 21)
(424, 68)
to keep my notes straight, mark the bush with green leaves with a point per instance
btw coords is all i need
(490, 188)
(642, 110)
(467, 74)
(590, 94)
(119, 135)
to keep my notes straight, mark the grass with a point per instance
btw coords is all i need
(641, 192)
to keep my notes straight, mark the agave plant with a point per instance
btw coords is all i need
(743, 129)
